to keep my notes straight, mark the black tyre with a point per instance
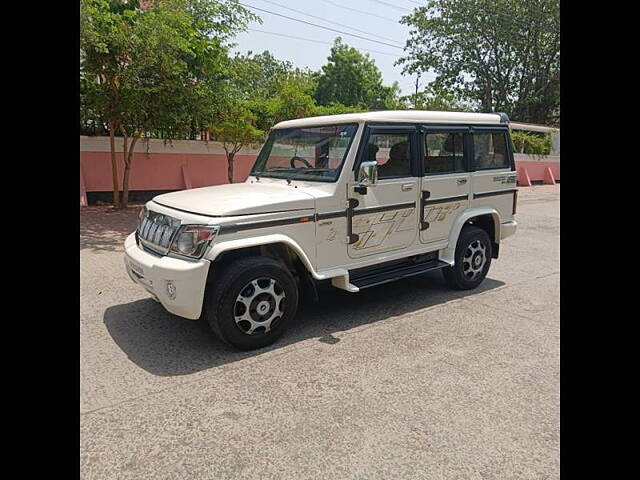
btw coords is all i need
(472, 259)
(250, 303)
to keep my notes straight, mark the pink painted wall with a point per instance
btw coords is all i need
(162, 171)
(191, 164)
(532, 168)
(160, 165)
(536, 170)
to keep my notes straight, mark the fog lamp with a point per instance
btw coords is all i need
(171, 290)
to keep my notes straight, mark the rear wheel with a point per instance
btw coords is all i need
(251, 302)
(472, 259)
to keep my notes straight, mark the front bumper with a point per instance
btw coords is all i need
(153, 273)
(507, 229)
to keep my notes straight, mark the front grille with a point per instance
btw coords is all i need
(156, 231)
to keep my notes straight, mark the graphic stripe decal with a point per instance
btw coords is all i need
(446, 199)
(325, 216)
(491, 194)
(385, 208)
(238, 227)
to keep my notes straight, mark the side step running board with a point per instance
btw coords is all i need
(378, 278)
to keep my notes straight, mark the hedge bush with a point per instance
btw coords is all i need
(531, 144)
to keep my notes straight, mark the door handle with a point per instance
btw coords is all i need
(462, 181)
(407, 186)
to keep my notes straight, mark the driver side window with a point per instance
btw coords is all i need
(392, 152)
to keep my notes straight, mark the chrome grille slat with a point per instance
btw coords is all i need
(152, 231)
(166, 236)
(147, 226)
(158, 235)
(156, 231)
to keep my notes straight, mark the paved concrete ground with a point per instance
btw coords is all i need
(407, 380)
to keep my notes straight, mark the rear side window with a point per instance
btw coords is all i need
(490, 150)
(444, 153)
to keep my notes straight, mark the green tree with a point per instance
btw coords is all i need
(258, 75)
(273, 89)
(259, 92)
(292, 100)
(353, 79)
(500, 55)
(154, 67)
(432, 99)
(234, 126)
(333, 109)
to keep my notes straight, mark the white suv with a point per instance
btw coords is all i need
(357, 199)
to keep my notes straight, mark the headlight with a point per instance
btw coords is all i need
(192, 240)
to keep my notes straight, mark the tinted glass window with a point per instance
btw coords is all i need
(490, 150)
(392, 152)
(444, 153)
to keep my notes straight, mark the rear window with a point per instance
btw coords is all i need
(490, 150)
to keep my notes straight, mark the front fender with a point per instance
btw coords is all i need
(448, 254)
(225, 246)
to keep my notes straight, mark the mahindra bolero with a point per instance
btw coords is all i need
(356, 200)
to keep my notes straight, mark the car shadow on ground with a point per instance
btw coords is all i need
(167, 345)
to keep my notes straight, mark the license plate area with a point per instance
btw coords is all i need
(137, 269)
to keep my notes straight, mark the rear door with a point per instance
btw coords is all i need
(385, 219)
(445, 180)
(494, 178)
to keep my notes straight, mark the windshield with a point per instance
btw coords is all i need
(310, 153)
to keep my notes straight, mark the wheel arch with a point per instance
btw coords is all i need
(486, 218)
(276, 246)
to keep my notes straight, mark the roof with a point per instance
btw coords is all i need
(399, 116)
(531, 127)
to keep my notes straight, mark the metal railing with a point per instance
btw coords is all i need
(94, 128)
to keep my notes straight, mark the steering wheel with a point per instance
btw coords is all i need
(299, 159)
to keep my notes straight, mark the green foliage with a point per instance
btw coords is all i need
(160, 65)
(234, 126)
(272, 89)
(432, 99)
(157, 66)
(531, 143)
(353, 79)
(502, 55)
(333, 109)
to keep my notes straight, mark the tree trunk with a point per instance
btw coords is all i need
(114, 163)
(125, 178)
(127, 170)
(125, 186)
(230, 156)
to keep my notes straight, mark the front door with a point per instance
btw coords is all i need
(445, 181)
(385, 219)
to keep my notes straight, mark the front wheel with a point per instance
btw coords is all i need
(472, 259)
(251, 302)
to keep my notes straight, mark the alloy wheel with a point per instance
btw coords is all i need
(474, 259)
(260, 304)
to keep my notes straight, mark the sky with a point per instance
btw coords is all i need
(379, 18)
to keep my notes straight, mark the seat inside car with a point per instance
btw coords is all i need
(398, 163)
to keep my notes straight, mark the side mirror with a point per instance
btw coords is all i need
(368, 173)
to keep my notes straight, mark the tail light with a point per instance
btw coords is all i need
(515, 201)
